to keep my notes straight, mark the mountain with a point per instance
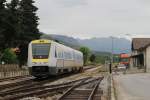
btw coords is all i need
(120, 45)
(69, 41)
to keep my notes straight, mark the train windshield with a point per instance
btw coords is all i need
(40, 51)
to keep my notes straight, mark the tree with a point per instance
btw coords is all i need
(28, 27)
(28, 21)
(18, 26)
(92, 58)
(13, 22)
(9, 56)
(86, 53)
(8, 24)
(8, 21)
(2, 23)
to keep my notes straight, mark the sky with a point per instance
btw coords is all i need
(94, 18)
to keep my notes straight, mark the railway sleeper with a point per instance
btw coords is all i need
(90, 94)
(41, 91)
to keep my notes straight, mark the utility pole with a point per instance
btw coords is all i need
(112, 50)
(111, 58)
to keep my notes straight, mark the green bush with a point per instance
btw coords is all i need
(9, 57)
(86, 53)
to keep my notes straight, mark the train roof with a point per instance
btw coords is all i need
(41, 41)
(66, 47)
(51, 41)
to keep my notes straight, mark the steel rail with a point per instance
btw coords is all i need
(38, 92)
(13, 78)
(94, 90)
(75, 86)
(39, 86)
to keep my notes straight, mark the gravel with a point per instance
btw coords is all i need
(31, 98)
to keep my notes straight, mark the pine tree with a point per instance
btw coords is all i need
(13, 20)
(28, 21)
(2, 23)
(28, 27)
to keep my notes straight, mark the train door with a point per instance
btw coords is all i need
(59, 56)
(74, 59)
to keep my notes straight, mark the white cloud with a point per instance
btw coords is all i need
(94, 18)
(71, 3)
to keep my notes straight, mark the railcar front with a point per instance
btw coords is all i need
(38, 57)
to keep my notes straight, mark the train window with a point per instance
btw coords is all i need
(55, 53)
(67, 55)
(59, 53)
(40, 51)
(78, 57)
(73, 56)
(62, 54)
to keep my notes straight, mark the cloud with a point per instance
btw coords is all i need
(71, 3)
(94, 18)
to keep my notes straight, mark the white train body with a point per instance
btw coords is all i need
(46, 57)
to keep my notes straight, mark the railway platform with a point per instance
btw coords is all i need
(132, 86)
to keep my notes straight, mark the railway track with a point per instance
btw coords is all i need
(44, 91)
(40, 91)
(29, 82)
(35, 87)
(83, 94)
(88, 67)
(24, 82)
(32, 87)
(17, 83)
(13, 78)
(20, 77)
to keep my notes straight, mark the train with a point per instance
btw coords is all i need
(47, 57)
(125, 59)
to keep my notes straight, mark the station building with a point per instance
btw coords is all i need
(140, 56)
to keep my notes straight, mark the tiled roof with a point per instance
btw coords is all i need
(139, 43)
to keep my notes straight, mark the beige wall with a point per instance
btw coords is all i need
(144, 57)
(147, 61)
(131, 63)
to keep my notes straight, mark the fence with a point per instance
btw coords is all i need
(12, 70)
